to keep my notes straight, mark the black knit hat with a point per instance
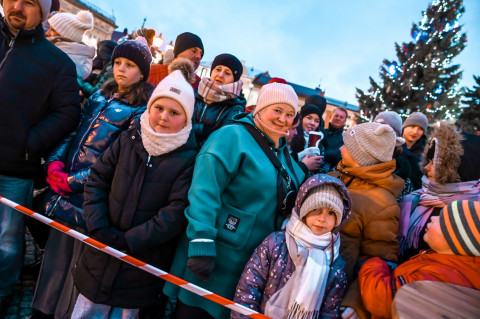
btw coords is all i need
(317, 100)
(137, 52)
(186, 41)
(310, 109)
(231, 62)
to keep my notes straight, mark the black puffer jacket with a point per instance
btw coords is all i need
(145, 198)
(39, 101)
(414, 157)
(210, 117)
(102, 122)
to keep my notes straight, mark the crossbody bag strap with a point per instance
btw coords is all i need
(261, 139)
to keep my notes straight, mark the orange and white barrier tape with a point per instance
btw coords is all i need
(137, 263)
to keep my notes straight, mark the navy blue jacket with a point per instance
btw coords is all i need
(39, 100)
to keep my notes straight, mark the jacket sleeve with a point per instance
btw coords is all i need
(380, 235)
(334, 292)
(252, 282)
(64, 113)
(169, 221)
(97, 187)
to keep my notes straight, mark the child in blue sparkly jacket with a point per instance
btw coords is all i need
(305, 254)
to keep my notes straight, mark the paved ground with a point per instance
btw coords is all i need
(23, 291)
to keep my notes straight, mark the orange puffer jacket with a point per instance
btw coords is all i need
(378, 285)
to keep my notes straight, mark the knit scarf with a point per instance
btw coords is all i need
(431, 195)
(272, 133)
(161, 143)
(302, 295)
(212, 92)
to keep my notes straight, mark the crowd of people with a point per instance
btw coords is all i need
(266, 205)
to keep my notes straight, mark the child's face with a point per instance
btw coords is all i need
(126, 73)
(321, 221)
(434, 237)
(167, 116)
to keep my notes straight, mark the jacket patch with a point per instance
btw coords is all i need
(231, 223)
(175, 90)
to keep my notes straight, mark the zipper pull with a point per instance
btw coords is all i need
(148, 161)
(11, 43)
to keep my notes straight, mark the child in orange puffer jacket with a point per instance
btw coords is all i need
(454, 238)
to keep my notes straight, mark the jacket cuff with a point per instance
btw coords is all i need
(201, 248)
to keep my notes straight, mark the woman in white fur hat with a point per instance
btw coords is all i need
(66, 32)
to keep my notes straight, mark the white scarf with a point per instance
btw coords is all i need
(302, 295)
(161, 143)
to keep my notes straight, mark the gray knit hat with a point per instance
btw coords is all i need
(370, 143)
(323, 196)
(393, 119)
(416, 119)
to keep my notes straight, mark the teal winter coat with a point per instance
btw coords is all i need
(233, 201)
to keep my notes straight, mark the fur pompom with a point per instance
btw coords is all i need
(185, 66)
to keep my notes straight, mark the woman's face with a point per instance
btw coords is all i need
(430, 171)
(278, 116)
(126, 73)
(167, 116)
(412, 133)
(311, 122)
(222, 75)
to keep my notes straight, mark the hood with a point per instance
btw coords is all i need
(380, 175)
(445, 145)
(322, 179)
(248, 119)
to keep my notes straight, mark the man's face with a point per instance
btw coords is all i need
(339, 119)
(22, 14)
(194, 55)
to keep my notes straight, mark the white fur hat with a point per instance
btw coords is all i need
(72, 26)
(175, 86)
(274, 93)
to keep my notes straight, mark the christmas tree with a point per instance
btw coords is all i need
(423, 78)
(469, 121)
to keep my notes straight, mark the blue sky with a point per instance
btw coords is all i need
(337, 44)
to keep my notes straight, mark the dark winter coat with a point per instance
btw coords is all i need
(102, 122)
(414, 157)
(145, 197)
(210, 117)
(332, 142)
(89, 89)
(39, 101)
(269, 269)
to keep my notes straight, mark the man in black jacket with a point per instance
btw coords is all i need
(333, 139)
(39, 104)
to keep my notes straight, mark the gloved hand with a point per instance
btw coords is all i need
(58, 182)
(201, 266)
(111, 236)
(313, 151)
(55, 166)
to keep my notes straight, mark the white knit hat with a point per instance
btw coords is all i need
(72, 26)
(276, 93)
(323, 196)
(370, 143)
(175, 86)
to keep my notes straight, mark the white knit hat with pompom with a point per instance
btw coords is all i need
(72, 26)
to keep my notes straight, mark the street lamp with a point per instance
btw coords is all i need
(169, 46)
(158, 41)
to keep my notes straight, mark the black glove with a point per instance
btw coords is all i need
(202, 266)
(111, 237)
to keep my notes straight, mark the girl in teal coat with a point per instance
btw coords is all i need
(233, 201)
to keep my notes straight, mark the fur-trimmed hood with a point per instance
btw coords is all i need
(445, 144)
